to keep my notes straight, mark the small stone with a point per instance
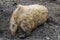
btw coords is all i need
(1, 38)
(58, 36)
(47, 38)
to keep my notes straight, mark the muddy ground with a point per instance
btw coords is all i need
(48, 31)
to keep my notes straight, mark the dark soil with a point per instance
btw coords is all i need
(49, 31)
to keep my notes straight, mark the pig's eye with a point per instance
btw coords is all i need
(13, 26)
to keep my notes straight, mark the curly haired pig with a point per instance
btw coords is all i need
(27, 17)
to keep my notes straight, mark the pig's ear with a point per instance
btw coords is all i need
(20, 7)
